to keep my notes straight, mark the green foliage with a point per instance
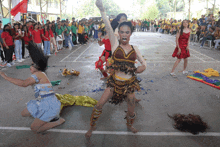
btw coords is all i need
(165, 6)
(151, 12)
(89, 9)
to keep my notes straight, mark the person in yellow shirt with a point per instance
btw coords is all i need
(193, 28)
(81, 39)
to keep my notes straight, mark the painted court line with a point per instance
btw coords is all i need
(70, 54)
(83, 51)
(216, 134)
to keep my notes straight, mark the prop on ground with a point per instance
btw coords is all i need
(71, 72)
(203, 77)
(69, 100)
(189, 123)
(54, 83)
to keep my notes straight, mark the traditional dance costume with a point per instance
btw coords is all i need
(183, 43)
(124, 63)
(46, 106)
(106, 52)
(122, 87)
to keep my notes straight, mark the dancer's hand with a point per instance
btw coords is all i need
(179, 52)
(99, 5)
(187, 48)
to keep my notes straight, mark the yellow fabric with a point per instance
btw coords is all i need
(70, 24)
(120, 78)
(69, 100)
(209, 72)
(80, 29)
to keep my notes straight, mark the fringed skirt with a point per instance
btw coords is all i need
(122, 88)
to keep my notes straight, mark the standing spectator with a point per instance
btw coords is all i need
(46, 37)
(52, 39)
(73, 30)
(59, 38)
(67, 30)
(96, 28)
(8, 45)
(26, 38)
(18, 44)
(1, 46)
(36, 36)
(193, 28)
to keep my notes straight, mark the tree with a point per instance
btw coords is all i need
(151, 12)
(89, 8)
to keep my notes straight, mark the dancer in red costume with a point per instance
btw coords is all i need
(106, 54)
(182, 47)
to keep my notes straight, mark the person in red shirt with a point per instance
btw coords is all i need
(52, 39)
(8, 45)
(106, 54)
(27, 38)
(36, 35)
(30, 27)
(46, 37)
(18, 43)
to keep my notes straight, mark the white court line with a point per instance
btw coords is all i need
(198, 57)
(83, 52)
(89, 61)
(70, 54)
(190, 49)
(216, 134)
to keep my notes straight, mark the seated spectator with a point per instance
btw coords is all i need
(202, 32)
(209, 35)
(203, 23)
(217, 37)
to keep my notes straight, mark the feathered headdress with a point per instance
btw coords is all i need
(189, 123)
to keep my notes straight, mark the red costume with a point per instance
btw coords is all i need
(183, 43)
(107, 53)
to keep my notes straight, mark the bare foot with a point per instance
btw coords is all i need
(103, 78)
(132, 129)
(60, 121)
(89, 133)
(137, 100)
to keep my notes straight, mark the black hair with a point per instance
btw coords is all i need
(182, 27)
(127, 23)
(115, 23)
(9, 30)
(47, 29)
(35, 25)
(23, 28)
(212, 28)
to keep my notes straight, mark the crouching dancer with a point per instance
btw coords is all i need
(46, 107)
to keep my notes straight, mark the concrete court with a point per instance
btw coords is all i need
(161, 94)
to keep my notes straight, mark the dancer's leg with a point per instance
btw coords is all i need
(185, 64)
(25, 113)
(130, 114)
(50, 125)
(175, 65)
(97, 110)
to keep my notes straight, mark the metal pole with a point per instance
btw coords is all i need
(9, 4)
(189, 9)
(47, 8)
(60, 10)
(214, 8)
(41, 11)
(1, 9)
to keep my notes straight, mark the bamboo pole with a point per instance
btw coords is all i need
(189, 9)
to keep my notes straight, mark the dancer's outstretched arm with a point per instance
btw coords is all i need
(112, 38)
(22, 83)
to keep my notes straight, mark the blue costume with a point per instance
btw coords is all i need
(46, 106)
